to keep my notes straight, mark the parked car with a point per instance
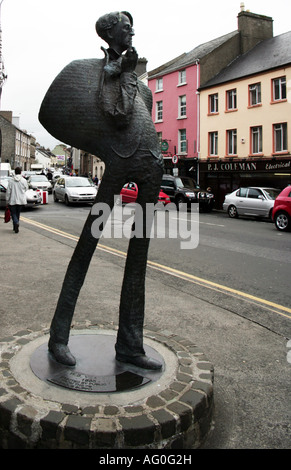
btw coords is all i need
(251, 201)
(74, 189)
(39, 182)
(183, 189)
(32, 196)
(129, 194)
(282, 210)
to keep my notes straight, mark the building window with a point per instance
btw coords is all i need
(279, 89)
(231, 142)
(213, 103)
(280, 137)
(256, 140)
(182, 141)
(231, 100)
(213, 143)
(159, 111)
(255, 94)
(159, 84)
(182, 106)
(182, 77)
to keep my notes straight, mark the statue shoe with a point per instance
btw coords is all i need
(140, 361)
(61, 353)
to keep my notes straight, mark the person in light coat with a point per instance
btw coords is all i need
(16, 197)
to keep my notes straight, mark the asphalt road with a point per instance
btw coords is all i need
(241, 270)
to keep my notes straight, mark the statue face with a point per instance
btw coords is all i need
(121, 35)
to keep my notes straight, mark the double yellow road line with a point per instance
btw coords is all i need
(272, 306)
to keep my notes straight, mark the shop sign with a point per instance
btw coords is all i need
(250, 166)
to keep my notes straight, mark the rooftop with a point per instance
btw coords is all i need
(268, 54)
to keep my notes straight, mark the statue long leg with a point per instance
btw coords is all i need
(78, 267)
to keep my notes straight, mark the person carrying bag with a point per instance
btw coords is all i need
(16, 197)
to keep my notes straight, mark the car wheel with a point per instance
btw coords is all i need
(67, 200)
(232, 212)
(180, 203)
(282, 221)
(55, 198)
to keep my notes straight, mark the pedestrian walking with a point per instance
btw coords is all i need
(16, 197)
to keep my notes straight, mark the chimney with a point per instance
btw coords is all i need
(253, 29)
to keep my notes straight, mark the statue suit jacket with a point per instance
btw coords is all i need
(102, 114)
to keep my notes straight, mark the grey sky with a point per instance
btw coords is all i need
(40, 37)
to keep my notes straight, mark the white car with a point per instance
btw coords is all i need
(74, 189)
(33, 197)
(39, 182)
(251, 201)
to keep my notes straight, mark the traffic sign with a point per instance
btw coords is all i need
(175, 159)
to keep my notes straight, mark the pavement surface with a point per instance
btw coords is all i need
(251, 367)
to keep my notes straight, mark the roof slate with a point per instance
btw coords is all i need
(268, 54)
(189, 58)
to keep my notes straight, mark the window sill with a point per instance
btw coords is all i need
(279, 101)
(256, 155)
(254, 105)
(158, 91)
(213, 114)
(283, 152)
(231, 110)
(181, 117)
(158, 122)
(181, 84)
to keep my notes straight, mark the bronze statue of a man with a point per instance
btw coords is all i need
(99, 106)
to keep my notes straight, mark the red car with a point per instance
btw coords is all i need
(129, 193)
(281, 214)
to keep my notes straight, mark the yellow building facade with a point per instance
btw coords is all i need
(246, 132)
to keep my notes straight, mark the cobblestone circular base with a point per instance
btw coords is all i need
(173, 412)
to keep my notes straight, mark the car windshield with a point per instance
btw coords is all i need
(183, 182)
(38, 178)
(78, 182)
(272, 193)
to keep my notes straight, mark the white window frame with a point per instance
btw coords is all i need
(279, 89)
(182, 106)
(231, 100)
(213, 143)
(255, 94)
(280, 137)
(159, 84)
(182, 141)
(182, 77)
(232, 142)
(256, 140)
(159, 111)
(213, 103)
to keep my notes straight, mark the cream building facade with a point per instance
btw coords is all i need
(246, 121)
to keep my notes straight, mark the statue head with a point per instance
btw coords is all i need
(116, 29)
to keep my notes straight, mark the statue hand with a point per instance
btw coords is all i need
(129, 60)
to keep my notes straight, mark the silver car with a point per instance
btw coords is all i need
(251, 201)
(32, 196)
(74, 189)
(39, 182)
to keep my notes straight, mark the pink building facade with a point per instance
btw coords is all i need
(176, 113)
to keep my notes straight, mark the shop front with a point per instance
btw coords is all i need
(224, 176)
